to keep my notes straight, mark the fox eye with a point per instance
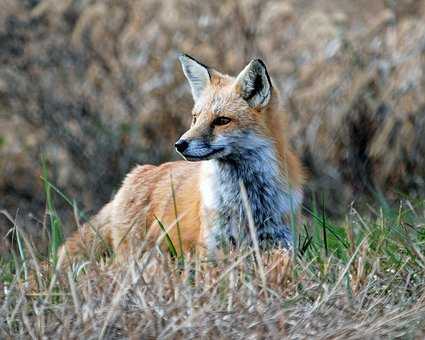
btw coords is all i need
(194, 119)
(221, 121)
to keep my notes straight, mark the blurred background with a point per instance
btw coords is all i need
(94, 86)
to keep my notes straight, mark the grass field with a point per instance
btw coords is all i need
(359, 278)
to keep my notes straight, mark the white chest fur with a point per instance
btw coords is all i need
(271, 199)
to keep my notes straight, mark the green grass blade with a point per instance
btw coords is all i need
(56, 232)
(170, 245)
(325, 238)
(177, 219)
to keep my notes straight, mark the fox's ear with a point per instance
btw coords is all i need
(254, 84)
(196, 73)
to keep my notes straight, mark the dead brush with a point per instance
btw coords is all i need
(95, 85)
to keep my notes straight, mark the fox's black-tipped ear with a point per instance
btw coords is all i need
(254, 84)
(196, 73)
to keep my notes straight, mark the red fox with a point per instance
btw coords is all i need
(238, 134)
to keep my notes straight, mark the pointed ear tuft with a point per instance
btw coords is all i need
(196, 73)
(254, 84)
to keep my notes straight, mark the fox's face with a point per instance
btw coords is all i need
(227, 115)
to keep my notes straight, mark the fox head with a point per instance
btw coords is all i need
(228, 114)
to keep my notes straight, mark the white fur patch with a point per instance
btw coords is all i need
(208, 185)
(210, 204)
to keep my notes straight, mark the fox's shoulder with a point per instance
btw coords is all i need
(145, 184)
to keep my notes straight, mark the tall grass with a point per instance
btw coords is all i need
(359, 277)
(56, 233)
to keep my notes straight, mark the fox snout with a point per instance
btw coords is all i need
(197, 149)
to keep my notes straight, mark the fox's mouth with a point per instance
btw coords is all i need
(210, 155)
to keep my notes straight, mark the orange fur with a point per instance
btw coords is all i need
(146, 194)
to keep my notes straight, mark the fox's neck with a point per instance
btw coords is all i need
(270, 195)
(289, 164)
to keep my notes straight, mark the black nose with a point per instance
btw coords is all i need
(181, 145)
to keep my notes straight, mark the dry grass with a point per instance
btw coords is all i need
(95, 86)
(362, 279)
